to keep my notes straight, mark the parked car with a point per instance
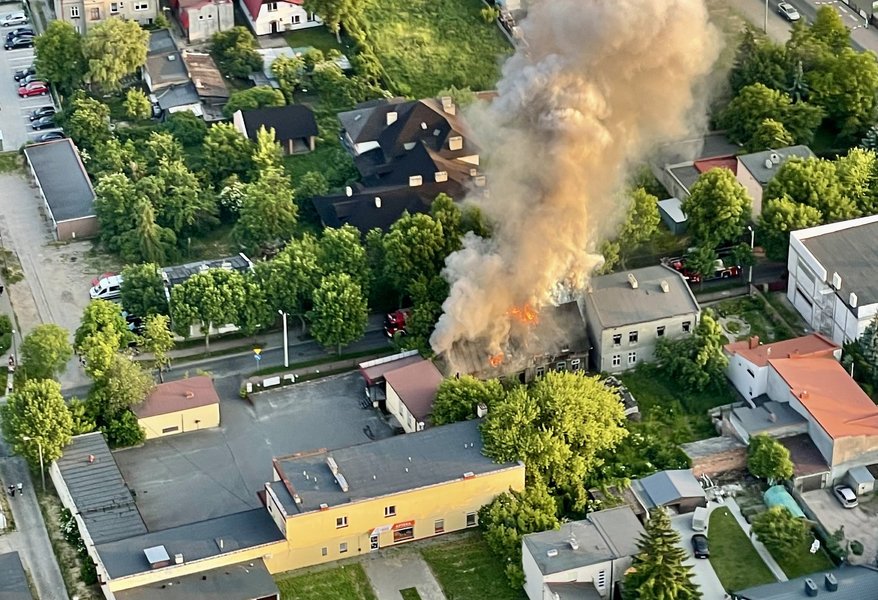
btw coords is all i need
(16, 18)
(846, 496)
(788, 11)
(43, 111)
(699, 546)
(22, 73)
(36, 88)
(20, 32)
(44, 122)
(29, 79)
(19, 42)
(48, 137)
(107, 288)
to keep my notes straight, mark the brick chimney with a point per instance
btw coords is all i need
(753, 341)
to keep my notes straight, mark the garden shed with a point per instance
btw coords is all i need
(672, 215)
(778, 495)
(861, 480)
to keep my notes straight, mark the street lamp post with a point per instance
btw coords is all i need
(752, 259)
(40, 449)
(765, 22)
(286, 345)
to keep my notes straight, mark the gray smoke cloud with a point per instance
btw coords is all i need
(598, 84)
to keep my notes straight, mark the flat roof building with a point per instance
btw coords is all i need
(65, 188)
(13, 579)
(178, 406)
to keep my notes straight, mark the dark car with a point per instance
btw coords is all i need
(22, 73)
(29, 79)
(18, 43)
(44, 122)
(48, 137)
(20, 32)
(699, 546)
(43, 111)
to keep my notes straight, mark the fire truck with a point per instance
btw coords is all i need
(395, 322)
(720, 270)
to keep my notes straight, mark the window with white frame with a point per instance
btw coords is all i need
(471, 520)
(617, 360)
(687, 326)
(341, 522)
(297, 19)
(660, 331)
(74, 12)
(141, 6)
(632, 358)
(390, 511)
(114, 8)
(342, 547)
(94, 14)
(617, 339)
(632, 337)
(311, 17)
(271, 6)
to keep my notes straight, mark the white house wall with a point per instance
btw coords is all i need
(647, 338)
(748, 379)
(753, 187)
(585, 575)
(284, 16)
(533, 579)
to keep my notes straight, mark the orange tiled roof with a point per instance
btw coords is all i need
(812, 346)
(826, 390)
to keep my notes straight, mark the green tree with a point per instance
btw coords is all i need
(769, 134)
(814, 182)
(44, 353)
(137, 105)
(458, 397)
(114, 196)
(124, 430)
(658, 572)
(858, 174)
(462, 97)
(186, 127)
(782, 533)
(445, 212)
(81, 417)
(235, 52)
(755, 103)
(102, 318)
(253, 98)
(113, 49)
(35, 417)
(267, 153)
(335, 13)
(268, 212)
(641, 220)
(695, 361)
(830, 30)
(560, 428)
(758, 60)
(289, 280)
(340, 250)
(214, 298)
(143, 290)
(59, 59)
(148, 241)
(612, 253)
(717, 209)
(340, 314)
(847, 90)
(288, 70)
(512, 515)
(702, 260)
(116, 157)
(779, 217)
(307, 187)
(87, 122)
(226, 152)
(158, 341)
(161, 147)
(122, 385)
(768, 459)
(414, 246)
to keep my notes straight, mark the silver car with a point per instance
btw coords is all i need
(16, 18)
(788, 11)
(846, 496)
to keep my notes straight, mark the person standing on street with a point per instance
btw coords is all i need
(19, 488)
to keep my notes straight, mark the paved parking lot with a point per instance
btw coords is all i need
(200, 475)
(704, 576)
(858, 523)
(14, 121)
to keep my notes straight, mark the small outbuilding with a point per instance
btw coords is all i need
(676, 489)
(65, 188)
(411, 391)
(179, 406)
(777, 495)
(861, 480)
(671, 212)
(295, 127)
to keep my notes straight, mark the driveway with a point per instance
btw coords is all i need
(395, 569)
(205, 474)
(703, 574)
(858, 523)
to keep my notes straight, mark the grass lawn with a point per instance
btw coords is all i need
(466, 569)
(410, 594)
(314, 37)
(753, 311)
(733, 557)
(427, 46)
(802, 562)
(348, 582)
(683, 411)
(9, 161)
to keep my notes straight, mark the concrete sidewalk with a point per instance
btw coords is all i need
(760, 547)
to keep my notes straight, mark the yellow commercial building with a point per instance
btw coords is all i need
(179, 406)
(342, 503)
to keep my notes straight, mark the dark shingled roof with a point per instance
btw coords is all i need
(180, 273)
(62, 177)
(855, 582)
(403, 462)
(98, 490)
(289, 122)
(13, 580)
(853, 254)
(241, 581)
(195, 541)
(368, 120)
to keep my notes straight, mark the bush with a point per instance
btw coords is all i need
(187, 128)
(5, 334)
(857, 548)
(124, 431)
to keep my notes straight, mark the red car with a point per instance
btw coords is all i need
(35, 88)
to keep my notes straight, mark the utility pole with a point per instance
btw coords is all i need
(26, 438)
(752, 260)
(286, 345)
(765, 23)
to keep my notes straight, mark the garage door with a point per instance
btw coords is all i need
(810, 482)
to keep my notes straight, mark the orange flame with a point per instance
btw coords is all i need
(496, 360)
(525, 314)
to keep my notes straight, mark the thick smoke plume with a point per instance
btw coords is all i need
(598, 84)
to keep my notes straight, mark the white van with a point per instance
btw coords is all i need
(699, 519)
(107, 288)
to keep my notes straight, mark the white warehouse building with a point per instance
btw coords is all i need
(833, 280)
